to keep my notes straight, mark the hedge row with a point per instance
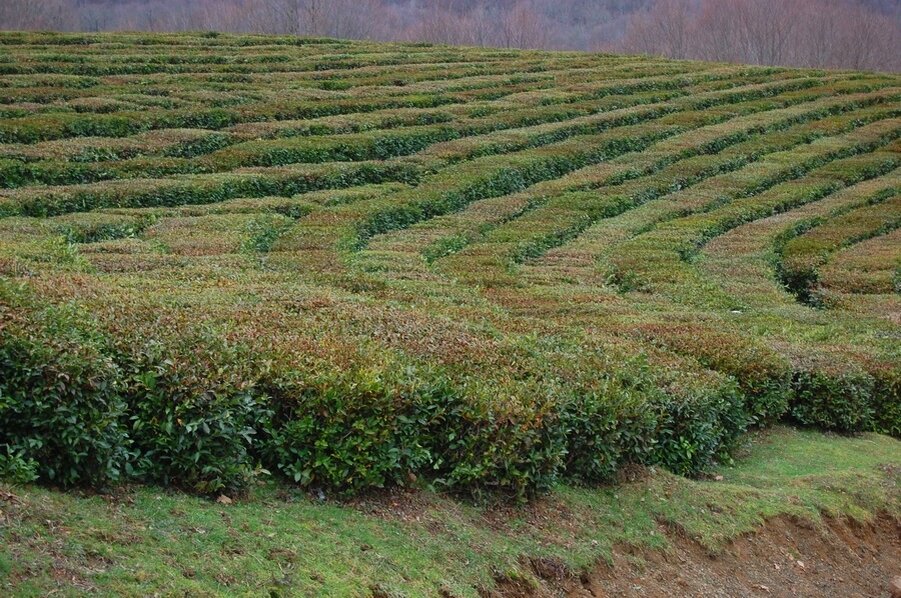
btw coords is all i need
(553, 217)
(828, 395)
(744, 139)
(869, 268)
(197, 409)
(60, 125)
(202, 189)
(801, 256)
(201, 156)
(498, 274)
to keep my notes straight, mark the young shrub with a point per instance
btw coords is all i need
(352, 430)
(394, 424)
(500, 442)
(886, 399)
(696, 423)
(17, 468)
(263, 231)
(198, 147)
(193, 411)
(13, 173)
(606, 428)
(763, 376)
(833, 399)
(60, 399)
(604, 410)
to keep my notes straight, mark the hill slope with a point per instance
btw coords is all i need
(361, 265)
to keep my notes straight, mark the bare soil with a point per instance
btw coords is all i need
(786, 557)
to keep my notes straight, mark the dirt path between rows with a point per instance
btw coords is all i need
(786, 557)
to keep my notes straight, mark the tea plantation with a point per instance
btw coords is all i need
(352, 265)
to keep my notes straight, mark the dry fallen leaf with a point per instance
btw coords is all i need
(9, 497)
(224, 500)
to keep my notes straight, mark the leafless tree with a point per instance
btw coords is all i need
(523, 27)
(851, 39)
(822, 33)
(754, 31)
(819, 33)
(36, 14)
(666, 29)
(354, 19)
(442, 24)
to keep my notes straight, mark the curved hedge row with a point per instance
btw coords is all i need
(202, 411)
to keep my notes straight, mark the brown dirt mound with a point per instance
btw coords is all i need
(786, 557)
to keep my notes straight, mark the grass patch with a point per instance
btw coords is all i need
(279, 540)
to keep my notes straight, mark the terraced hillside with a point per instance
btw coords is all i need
(358, 265)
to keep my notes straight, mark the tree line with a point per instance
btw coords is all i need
(859, 34)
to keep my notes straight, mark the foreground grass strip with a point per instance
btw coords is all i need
(418, 544)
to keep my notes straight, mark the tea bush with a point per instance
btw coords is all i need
(61, 400)
(355, 265)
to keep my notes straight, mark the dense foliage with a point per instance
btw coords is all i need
(355, 265)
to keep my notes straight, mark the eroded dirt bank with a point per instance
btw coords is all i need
(787, 557)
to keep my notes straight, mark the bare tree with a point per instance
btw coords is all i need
(824, 33)
(32, 14)
(751, 31)
(820, 33)
(859, 40)
(523, 27)
(442, 24)
(354, 19)
(314, 16)
(666, 29)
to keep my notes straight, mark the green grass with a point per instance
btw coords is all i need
(147, 540)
